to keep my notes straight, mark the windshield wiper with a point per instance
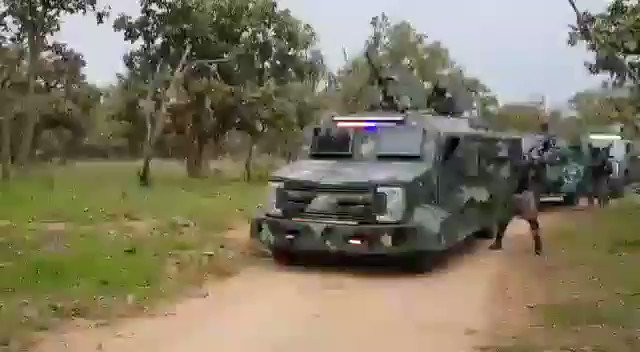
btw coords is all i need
(399, 156)
(330, 156)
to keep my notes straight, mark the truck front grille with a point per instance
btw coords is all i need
(358, 206)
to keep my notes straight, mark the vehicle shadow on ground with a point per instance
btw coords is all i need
(373, 266)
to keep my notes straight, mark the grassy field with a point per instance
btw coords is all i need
(593, 291)
(86, 241)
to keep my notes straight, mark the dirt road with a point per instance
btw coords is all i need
(266, 308)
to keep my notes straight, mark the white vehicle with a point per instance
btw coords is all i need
(619, 155)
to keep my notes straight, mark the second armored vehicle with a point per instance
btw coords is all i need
(561, 169)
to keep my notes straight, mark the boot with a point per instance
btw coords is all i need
(497, 244)
(537, 244)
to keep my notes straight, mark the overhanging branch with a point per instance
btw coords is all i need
(594, 38)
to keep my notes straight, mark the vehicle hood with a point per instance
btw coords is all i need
(339, 171)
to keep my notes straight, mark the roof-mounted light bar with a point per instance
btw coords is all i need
(605, 137)
(365, 124)
(370, 118)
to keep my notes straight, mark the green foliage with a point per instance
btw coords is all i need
(71, 249)
(518, 117)
(42, 17)
(604, 108)
(70, 194)
(418, 64)
(613, 37)
(594, 289)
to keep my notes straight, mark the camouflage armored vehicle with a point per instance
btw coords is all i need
(560, 170)
(388, 183)
(391, 181)
(618, 151)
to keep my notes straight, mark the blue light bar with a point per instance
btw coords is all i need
(370, 118)
(365, 124)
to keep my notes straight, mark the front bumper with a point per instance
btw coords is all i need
(306, 236)
(559, 187)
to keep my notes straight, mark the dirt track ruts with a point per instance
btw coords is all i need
(267, 308)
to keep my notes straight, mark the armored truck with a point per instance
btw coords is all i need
(560, 171)
(618, 151)
(388, 184)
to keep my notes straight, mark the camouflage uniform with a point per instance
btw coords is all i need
(600, 170)
(522, 203)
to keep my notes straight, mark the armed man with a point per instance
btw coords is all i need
(600, 170)
(522, 204)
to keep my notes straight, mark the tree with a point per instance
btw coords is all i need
(424, 70)
(30, 22)
(10, 57)
(518, 117)
(598, 108)
(614, 38)
(261, 42)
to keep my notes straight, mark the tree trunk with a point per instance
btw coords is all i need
(5, 152)
(248, 162)
(206, 158)
(144, 175)
(154, 132)
(192, 170)
(31, 116)
(196, 155)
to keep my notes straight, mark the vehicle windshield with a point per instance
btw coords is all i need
(399, 142)
(601, 143)
(369, 143)
(331, 142)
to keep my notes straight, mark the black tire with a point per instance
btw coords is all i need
(418, 263)
(283, 257)
(617, 189)
(570, 199)
(487, 233)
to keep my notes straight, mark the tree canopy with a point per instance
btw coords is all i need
(200, 74)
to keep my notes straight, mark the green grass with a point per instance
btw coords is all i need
(95, 192)
(593, 298)
(92, 262)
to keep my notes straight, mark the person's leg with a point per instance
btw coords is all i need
(502, 228)
(535, 233)
(598, 192)
(530, 211)
(509, 212)
(590, 198)
(589, 186)
(604, 191)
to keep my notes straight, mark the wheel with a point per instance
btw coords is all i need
(617, 189)
(570, 199)
(283, 257)
(486, 233)
(418, 263)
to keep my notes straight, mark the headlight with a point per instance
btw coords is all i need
(395, 201)
(272, 199)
